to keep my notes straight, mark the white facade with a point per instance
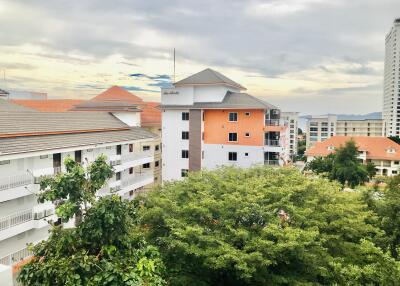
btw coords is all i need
(291, 119)
(320, 128)
(23, 220)
(391, 93)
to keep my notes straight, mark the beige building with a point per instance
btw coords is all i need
(367, 127)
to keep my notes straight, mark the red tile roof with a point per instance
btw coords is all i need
(117, 93)
(48, 105)
(378, 148)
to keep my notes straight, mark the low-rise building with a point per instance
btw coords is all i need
(362, 127)
(320, 128)
(207, 121)
(34, 144)
(383, 152)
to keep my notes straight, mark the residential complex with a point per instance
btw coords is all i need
(108, 101)
(383, 152)
(34, 144)
(320, 128)
(207, 121)
(391, 92)
(291, 119)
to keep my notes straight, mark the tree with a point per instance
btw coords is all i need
(395, 139)
(347, 168)
(301, 148)
(371, 170)
(264, 226)
(104, 249)
(321, 165)
(73, 190)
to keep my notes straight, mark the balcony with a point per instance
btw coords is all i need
(274, 143)
(134, 159)
(273, 122)
(15, 181)
(139, 180)
(16, 256)
(271, 162)
(16, 219)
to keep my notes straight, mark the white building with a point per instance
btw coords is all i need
(320, 128)
(34, 144)
(291, 119)
(391, 93)
(22, 94)
(208, 122)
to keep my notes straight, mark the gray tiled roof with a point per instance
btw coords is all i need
(51, 142)
(105, 106)
(232, 100)
(208, 76)
(38, 122)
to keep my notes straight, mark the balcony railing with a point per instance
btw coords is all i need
(15, 181)
(16, 256)
(16, 219)
(271, 162)
(272, 122)
(136, 156)
(275, 143)
(137, 178)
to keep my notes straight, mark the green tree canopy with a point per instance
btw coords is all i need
(72, 190)
(105, 249)
(265, 226)
(343, 166)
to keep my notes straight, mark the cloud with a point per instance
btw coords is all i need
(137, 88)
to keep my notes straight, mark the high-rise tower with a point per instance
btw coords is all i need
(391, 93)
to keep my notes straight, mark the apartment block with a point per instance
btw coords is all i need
(320, 128)
(291, 120)
(381, 151)
(207, 121)
(34, 144)
(391, 92)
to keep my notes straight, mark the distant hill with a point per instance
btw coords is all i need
(373, 115)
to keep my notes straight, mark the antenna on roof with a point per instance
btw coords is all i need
(174, 66)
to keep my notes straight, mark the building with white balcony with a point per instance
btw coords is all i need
(35, 144)
(207, 121)
(291, 119)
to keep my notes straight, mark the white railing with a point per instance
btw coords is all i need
(15, 181)
(16, 256)
(271, 162)
(273, 122)
(272, 143)
(16, 219)
(136, 156)
(137, 178)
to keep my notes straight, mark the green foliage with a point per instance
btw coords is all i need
(301, 148)
(105, 249)
(75, 188)
(343, 166)
(395, 139)
(386, 203)
(223, 228)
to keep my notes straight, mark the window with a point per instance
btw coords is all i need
(131, 193)
(247, 113)
(44, 156)
(202, 136)
(156, 163)
(313, 128)
(146, 166)
(396, 162)
(5, 162)
(89, 150)
(202, 154)
(157, 147)
(232, 156)
(324, 129)
(118, 176)
(78, 156)
(247, 134)
(185, 135)
(184, 172)
(246, 154)
(130, 148)
(232, 137)
(185, 154)
(131, 170)
(233, 116)
(146, 148)
(324, 123)
(119, 149)
(185, 116)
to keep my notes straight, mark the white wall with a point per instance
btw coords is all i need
(129, 118)
(211, 93)
(217, 155)
(6, 278)
(172, 144)
(177, 96)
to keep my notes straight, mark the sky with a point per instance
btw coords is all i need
(311, 56)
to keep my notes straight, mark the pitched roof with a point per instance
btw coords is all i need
(108, 106)
(15, 124)
(49, 105)
(10, 106)
(232, 100)
(117, 93)
(52, 142)
(377, 148)
(207, 77)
